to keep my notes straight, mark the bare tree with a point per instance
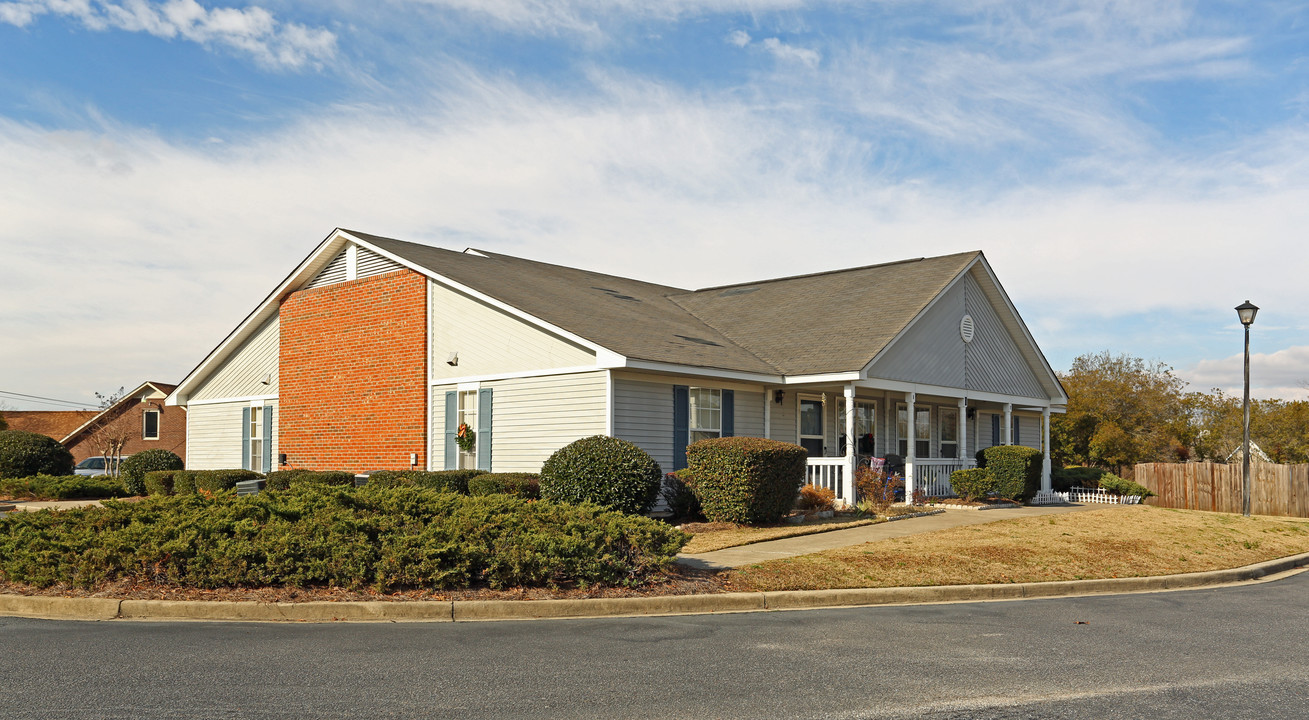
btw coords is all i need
(107, 437)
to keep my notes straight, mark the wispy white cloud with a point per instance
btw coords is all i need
(251, 30)
(635, 179)
(778, 49)
(1284, 374)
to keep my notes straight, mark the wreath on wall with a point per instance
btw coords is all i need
(466, 438)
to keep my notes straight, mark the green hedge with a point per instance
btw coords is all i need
(283, 479)
(133, 469)
(26, 454)
(384, 538)
(678, 496)
(523, 485)
(973, 483)
(1075, 476)
(602, 470)
(62, 487)
(1119, 486)
(455, 481)
(189, 482)
(1016, 469)
(744, 480)
(159, 482)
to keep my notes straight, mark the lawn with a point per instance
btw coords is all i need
(707, 537)
(1124, 541)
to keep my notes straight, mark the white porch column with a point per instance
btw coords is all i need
(1045, 450)
(909, 399)
(963, 431)
(768, 413)
(1008, 430)
(847, 484)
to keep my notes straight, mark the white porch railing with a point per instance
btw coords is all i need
(932, 475)
(827, 472)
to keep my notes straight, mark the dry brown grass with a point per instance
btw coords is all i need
(707, 537)
(1126, 541)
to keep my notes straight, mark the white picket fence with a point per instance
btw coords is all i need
(1086, 495)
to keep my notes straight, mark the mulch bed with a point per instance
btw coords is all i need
(677, 580)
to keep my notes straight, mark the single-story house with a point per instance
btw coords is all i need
(139, 418)
(373, 352)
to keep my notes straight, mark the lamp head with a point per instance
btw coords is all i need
(1246, 312)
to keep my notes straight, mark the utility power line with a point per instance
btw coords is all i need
(46, 400)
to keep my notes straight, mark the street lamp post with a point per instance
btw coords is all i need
(1246, 312)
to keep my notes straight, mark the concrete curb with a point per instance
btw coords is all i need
(486, 610)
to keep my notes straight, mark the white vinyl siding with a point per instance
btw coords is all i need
(367, 264)
(243, 373)
(532, 417)
(214, 434)
(489, 341)
(643, 413)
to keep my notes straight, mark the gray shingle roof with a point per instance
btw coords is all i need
(826, 322)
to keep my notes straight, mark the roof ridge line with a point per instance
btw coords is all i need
(831, 272)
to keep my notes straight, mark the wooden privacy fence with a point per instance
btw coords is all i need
(1274, 489)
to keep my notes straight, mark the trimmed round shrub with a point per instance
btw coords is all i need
(972, 483)
(523, 485)
(603, 470)
(744, 479)
(133, 469)
(24, 454)
(1016, 469)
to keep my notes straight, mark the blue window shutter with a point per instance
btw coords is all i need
(729, 422)
(451, 427)
(268, 438)
(245, 437)
(484, 429)
(681, 424)
(995, 429)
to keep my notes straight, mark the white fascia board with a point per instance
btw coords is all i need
(692, 370)
(950, 392)
(823, 378)
(243, 398)
(544, 372)
(483, 297)
(262, 312)
(923, 313)
(1062, 398)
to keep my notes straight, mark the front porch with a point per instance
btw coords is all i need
(925, 437)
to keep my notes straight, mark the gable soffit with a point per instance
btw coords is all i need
(993, 294)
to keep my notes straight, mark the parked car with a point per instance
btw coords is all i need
(93, 466)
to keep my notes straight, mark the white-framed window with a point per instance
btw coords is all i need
(949, 432)
(150, 425)
(468, 416)
(705, 419)
(255, 433)
(812, 409)
(922, 430)
(865, 426)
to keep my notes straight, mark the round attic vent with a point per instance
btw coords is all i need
(966, 328)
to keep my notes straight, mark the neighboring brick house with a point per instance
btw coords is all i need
(141, 417)
(51, 423)
(373, 351)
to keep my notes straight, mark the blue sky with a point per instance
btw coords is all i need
(1133, 170)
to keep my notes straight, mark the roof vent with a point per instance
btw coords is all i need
(701, 341)
(966, 328)
(615, 294)
(737, 291)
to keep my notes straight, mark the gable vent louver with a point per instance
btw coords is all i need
(966, 328)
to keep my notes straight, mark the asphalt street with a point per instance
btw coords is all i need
(1235, 652)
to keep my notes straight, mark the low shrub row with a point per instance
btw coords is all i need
(523, 485)
(387, 538)
(283, 479)
(62, 487)
(189, 482)
(455, 481)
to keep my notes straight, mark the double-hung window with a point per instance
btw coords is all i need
(256, 439)
(150, 425)
(922, 431)
(468, 418)
(706, 413)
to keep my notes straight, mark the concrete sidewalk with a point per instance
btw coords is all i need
(790, 547)
(34, 505)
